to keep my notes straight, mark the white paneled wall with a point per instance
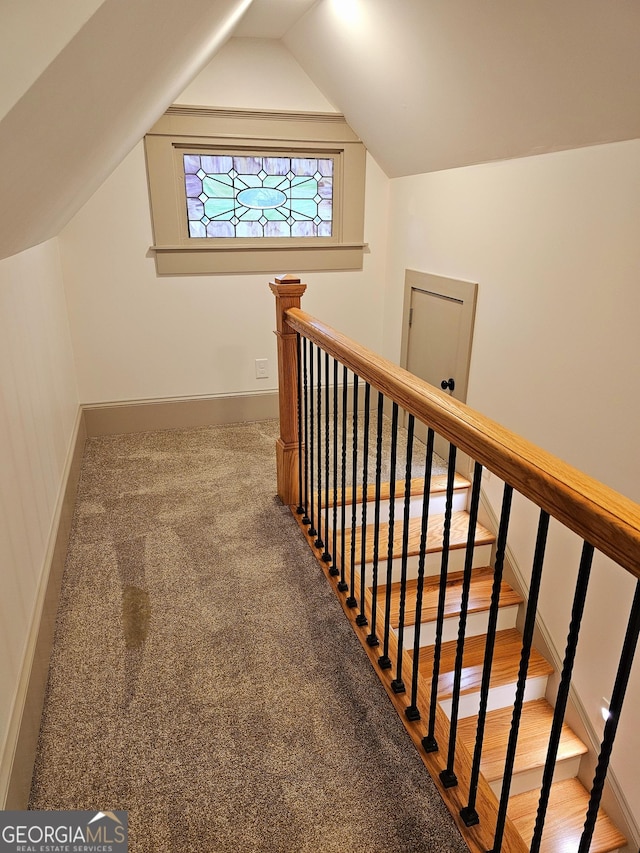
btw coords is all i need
(38, 415)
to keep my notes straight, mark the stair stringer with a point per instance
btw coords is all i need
(614, 801)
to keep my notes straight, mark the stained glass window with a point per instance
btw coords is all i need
(241, 191)
(254, 196)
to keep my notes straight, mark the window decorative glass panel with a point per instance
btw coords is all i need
(233, 196)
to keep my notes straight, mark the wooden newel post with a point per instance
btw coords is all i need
(288, 291)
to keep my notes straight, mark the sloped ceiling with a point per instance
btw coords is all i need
(32, 34)
(94, 102)
(436, 84)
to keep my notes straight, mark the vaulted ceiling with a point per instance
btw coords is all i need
(435, 84)
(94, 101)
(426, 84)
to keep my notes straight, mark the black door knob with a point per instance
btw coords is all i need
(448, 383)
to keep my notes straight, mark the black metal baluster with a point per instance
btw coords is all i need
(397, 685)
(372, 639)
(343, 586)
(429, 742)
(384, 661)
(562, 698)
(611, 726)
(412, 712)
(305, 518)
(351, 600)
(469, 813)
(334, 570)
(326, 556)
(361, 619)
(448, 776)
(527, 639)
(319, 543)
(300, 507)
(312, 529)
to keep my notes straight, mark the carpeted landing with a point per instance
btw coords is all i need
(204, 676)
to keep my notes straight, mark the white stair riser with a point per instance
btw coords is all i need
(477, 624)
(499, 697)
(531, 780)
(433, 561)
(437, 505)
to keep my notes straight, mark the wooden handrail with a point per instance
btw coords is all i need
(598, 514)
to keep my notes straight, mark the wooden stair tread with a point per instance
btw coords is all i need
(479, 596)
(438, 486)
(533, 738)
(458, 536)
(565, 818)
(506, 662)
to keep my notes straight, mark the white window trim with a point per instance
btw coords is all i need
(184, 128)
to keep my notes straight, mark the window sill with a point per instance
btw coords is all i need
(208, 259)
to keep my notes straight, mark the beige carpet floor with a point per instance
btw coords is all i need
(204, 676)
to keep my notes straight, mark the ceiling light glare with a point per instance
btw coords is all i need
(349, 12)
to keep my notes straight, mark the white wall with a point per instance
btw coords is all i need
(256, 74)
(553, 243)
(138, 336)
(38, 413)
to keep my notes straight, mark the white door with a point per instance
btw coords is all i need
(439, 314)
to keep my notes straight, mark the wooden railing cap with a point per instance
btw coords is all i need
(287, 278)
(287, 289)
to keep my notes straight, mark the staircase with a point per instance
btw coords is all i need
(569, 799)
(327, 383)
